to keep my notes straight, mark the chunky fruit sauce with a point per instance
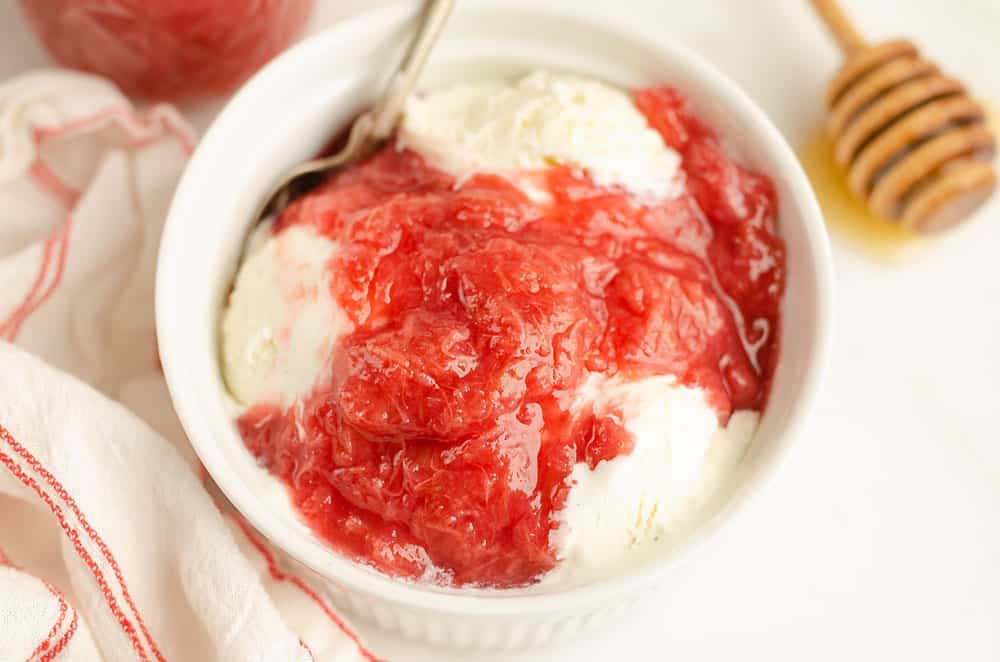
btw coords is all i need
(444, 436)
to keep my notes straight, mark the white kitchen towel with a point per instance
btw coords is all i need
(111, 547)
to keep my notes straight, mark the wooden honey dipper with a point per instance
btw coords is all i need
(915, 145)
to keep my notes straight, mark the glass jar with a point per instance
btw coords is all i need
(167, 49)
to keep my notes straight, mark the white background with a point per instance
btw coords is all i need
(879, 538)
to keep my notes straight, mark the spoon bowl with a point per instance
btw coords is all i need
(370, 128)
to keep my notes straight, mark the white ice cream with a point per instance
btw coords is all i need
(681, 459)
(281, 322)
(539, 121)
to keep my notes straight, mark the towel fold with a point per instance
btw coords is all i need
(111, 546)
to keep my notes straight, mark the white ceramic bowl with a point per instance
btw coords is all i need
(292, 107)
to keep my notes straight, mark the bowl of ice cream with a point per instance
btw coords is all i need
(502, 375)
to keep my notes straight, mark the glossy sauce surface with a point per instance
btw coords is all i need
(450, 420)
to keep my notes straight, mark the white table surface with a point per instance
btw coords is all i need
(879, 539)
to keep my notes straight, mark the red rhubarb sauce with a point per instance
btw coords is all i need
(445, 435)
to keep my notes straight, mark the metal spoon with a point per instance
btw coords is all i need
(372, 127)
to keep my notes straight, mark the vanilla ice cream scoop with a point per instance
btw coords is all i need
(542, 120)
(680, 459)
(281, 322)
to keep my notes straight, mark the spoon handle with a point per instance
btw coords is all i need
(390, 106)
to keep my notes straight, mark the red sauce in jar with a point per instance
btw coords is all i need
(167, 49)
(445, 435)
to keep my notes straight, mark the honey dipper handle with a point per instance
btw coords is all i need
(848, 38)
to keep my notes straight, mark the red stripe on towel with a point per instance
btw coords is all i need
(46, 645)
(36, 296)
(74, 537)
(53, 185)
(63, 640)
(280, 575)
(140, 128)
